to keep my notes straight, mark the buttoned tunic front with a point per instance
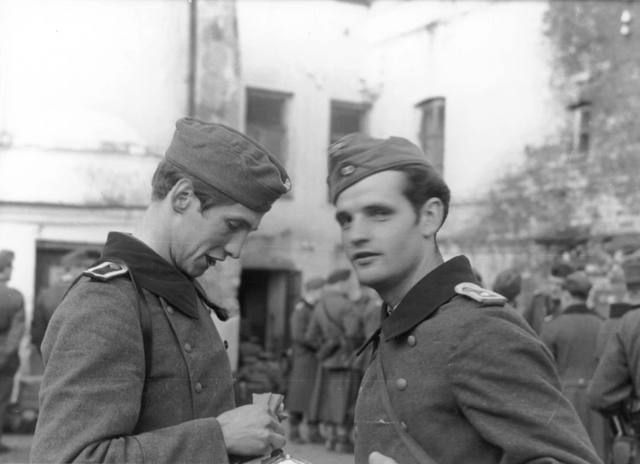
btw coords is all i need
(95, 405)
(469, 384)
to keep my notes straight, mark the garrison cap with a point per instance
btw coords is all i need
(6, 258)
(230, 162)
(314, 284)
(356, 156)
(338, 276)
(578, 283)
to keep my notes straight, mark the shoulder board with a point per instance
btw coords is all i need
(106, 271)
(481, 295)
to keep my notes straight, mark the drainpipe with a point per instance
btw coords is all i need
(193, 57)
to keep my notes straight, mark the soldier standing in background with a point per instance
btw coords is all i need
(572, 338)
(545, 304)
(334, 330)
(508, 283)
(12, 325)
(455, 374)
(49, 298)
(304, 365)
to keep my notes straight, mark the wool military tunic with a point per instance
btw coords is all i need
(304, 364)
(95, 405)
(470, 384)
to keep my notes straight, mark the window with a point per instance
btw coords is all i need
(346, 118)
(267, 121)
(432, 126)
(581, 127)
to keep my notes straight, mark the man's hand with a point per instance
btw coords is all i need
(377, 458)
(251, 430)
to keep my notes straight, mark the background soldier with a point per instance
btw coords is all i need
(545, 304)
(456, 375)
(304, 365)
(334, 330)
(572, 337)
(49, 298)
(135, 369)
(12, 327)
(508, 283)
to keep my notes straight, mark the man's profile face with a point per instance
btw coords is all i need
(199, 240)
(380, 233)
(555, 287)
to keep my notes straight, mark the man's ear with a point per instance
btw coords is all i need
(181, 195)
(431, 217)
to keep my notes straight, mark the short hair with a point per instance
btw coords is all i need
(423, 183)
(508, 283)
(561, 269)
(167, 176)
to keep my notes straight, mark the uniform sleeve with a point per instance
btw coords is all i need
(92, 387)
(313, 334)
(505, 382)
(16, 331)
(613, 381)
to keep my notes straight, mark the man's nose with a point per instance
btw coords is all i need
(358, 232)
(234, 247)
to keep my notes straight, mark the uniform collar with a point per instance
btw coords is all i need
(580, 308)
(155, 274)
(434, 290)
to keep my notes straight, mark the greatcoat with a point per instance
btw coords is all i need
(303, 359)
(470, 384)
(95, 404)
(572, 338)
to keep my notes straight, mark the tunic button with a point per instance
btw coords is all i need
(198, 388)
(404, 426)
(401, 384)
(411, 340)
(187, 348)
(226, 345)
(170, 310)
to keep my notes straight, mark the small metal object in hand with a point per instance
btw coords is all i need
(278, 457)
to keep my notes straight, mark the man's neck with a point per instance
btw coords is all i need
(152, 231)
(395, 293)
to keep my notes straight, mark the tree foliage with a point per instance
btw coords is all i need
(557, 188)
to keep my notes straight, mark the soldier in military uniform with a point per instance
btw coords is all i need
(457, 376)
(12, 325)
(303, 369)
(572, 337)
(545, 304)
(135, 370)
(334, 330)
(49, 298)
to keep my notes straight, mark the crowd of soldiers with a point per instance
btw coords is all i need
(328, 326)
(576, 310)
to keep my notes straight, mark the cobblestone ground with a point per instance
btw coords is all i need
(315, 454)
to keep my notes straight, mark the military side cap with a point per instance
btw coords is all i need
(314, 283)
(230, 162)
(6, 258)
(481, 295)
(578, 283)
(338, 276)
(356, 156)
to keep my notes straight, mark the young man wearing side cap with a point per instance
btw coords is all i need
(457, 376)
(135, 370)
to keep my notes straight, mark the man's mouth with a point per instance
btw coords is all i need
(363, 257)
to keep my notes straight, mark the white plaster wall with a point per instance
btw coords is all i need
(307, 49)
(488, 59)
(78, 72)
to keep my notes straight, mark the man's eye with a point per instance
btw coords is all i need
(380, 213)
(233, 226)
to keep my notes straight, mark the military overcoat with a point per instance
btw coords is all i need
(470, 384)
(303, 360)
(94, 403)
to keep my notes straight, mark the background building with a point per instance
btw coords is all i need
(90, 92)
